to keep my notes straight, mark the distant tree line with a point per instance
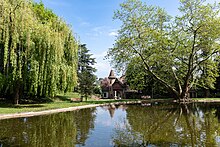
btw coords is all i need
(38, 51)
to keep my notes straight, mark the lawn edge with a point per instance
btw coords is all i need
(74, 108)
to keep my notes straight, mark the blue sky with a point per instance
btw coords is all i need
(92, 23)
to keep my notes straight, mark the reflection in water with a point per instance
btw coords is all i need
(105, 122)
(63, 129)
(133, 125)
(165, 125)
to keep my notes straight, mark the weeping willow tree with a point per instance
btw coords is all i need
(38, 52)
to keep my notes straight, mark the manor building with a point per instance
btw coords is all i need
(113, 87)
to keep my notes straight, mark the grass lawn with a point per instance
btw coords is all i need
(60, 101)
(6, 108)
(69, 100)
(206, 99)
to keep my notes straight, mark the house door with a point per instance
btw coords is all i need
(117, 94)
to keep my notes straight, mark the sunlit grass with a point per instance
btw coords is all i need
(60, 101)
(206, 99)
(70, 100)
(5, 109)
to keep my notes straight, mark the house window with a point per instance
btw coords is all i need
(105, 95)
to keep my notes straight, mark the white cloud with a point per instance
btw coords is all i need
(100, 31)
(101, 55)
(103, 67)
(113, 34)
(84, 24)
(211, 1)
(59, 3)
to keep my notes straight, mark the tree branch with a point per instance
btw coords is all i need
(205, 59)
(178, 82)
(154, 75)
(177, 94)
(190, 63)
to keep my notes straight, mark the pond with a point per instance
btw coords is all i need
(125, 125)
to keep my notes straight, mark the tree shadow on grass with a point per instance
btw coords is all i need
(29, 106)
(98, 102)
(5, 105)
(36, 101)
(24, 103)
(63, 98)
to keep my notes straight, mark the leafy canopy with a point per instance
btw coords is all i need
(38, 52)
(179, 52)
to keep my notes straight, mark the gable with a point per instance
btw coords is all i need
(117, 86)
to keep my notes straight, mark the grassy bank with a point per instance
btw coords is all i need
(72, 100)
(60, 101)
(206, 99)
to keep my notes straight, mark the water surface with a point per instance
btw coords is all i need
(126, 125)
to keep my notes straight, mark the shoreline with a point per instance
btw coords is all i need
(60, 110)
(74, 108)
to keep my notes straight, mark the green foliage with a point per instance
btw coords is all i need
(168, 125)
(178, 52)
(47, 130)
(86, 72)
(97, 90)
(138, 79)
(136, 76)
(44, 14)
(38, 52)
(2, 81)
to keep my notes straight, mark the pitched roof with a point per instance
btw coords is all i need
(111, 80)
(119, 82)
(111, 75)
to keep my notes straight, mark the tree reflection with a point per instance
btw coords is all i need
(62, 129)
(167, 125)
(84, 123)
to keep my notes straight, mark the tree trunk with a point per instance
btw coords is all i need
(81, 98)
(184, 97)
(207, 93)
(17, 92)
(86, 97)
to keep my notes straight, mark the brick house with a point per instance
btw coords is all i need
(113, 87)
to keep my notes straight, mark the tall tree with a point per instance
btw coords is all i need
(172, 50)
(138, 79)
(38, 52)
(86, 72)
